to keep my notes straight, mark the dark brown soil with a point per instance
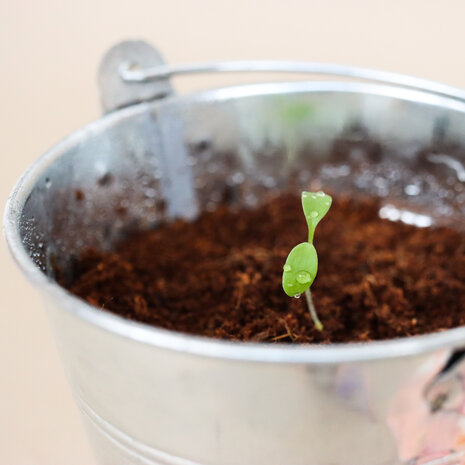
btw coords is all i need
(221, 275)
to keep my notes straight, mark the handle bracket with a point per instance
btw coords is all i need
(134, 55)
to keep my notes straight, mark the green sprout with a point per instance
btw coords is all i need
(301, 265)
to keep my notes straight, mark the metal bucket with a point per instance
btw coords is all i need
(152, 396)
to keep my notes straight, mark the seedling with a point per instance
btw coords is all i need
(301, 265)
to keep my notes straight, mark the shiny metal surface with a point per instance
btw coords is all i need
(151, 396)
(164, 71)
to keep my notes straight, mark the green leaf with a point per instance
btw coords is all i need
(315, 206)
(300, 269)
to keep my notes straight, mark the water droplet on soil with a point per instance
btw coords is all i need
(150, 193)
(238, 178)
(412, 189)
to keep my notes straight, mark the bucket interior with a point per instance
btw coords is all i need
(146, 165)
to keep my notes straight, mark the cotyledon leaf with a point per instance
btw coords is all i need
(300, 269)
(315, 206)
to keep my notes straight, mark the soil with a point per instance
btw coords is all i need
(220, 276)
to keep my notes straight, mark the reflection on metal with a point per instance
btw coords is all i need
(452, 458)
(390, 212)
(450, 162)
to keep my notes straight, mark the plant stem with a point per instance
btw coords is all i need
(311, 233)
(311, 308)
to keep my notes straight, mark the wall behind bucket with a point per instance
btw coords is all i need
(49, 54)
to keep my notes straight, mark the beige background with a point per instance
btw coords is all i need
(49, 53)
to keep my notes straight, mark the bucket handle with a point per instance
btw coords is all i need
(130, 72)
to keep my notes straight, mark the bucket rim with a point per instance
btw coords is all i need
(197, 345)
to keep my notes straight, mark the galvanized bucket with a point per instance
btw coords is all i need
(152, 396)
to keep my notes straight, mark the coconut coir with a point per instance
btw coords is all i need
(220, 276)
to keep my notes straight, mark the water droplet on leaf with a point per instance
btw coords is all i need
(297, 296)
(303, 277)
(287, 267)
(320, 194)
(313, 214)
